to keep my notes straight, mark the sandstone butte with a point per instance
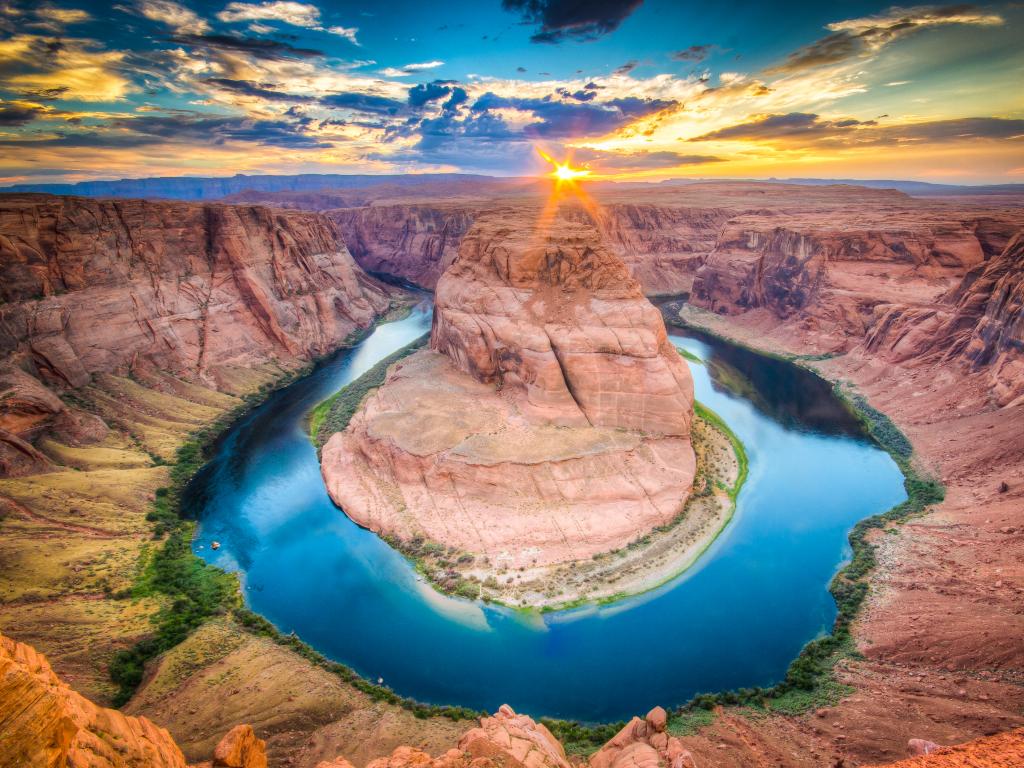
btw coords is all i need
(550, 419)
(46, 724)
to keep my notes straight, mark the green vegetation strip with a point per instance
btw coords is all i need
(334, 413)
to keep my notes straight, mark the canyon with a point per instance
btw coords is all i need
(127, 325)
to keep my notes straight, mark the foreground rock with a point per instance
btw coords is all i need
(644, 744)
(549, 422)
(45, 723)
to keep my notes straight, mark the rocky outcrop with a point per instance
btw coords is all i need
(980, 325)
(550, 421)
(240, 749)
(506, 740)
(644, 744)
(113, 286)
(414, 242)
(45, 723)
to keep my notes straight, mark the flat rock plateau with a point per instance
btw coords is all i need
(126, 325)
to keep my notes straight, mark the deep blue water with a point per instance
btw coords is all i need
(736, 619)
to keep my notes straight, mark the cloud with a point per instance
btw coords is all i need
(62, 16)
(424, 93)
(286, 12)
(626, 68)
(556, 119)
(256, 90)
(603, 161)
(349, 33)
(179, 18)
(254, 46)
(695, 53)
(363, 102)
(805, 128)
(862, 37)
(187, 128)
(66, 68)
(14, 115)
(800, 124)
(411, 69)
(572, 19)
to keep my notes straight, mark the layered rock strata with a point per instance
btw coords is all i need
(549, 421)
(112, 286)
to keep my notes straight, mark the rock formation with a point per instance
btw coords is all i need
(550, 421)
(93, 286)
(506, 740)
(45, 723)
(981, 324)
(644, 744)
(414, 242)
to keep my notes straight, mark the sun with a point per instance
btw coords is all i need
(564, 172)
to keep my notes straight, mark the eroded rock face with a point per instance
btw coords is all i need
(557, 317)
(45, 723)
(117, 286)
(414, 242)
(980, 324)
(94, 285)
(550, 422)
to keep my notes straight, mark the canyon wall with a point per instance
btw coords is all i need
(91, 286)
(414, 242)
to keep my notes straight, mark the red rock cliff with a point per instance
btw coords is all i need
(93, 286)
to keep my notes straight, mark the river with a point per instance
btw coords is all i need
(736, 619)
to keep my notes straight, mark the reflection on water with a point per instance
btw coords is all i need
(736, 619)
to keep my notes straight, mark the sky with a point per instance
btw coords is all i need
(629, 89)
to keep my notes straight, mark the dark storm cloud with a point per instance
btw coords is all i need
(434, 91)
(254, 46)
(184, 128)
(218, 130)
(13, 116)
(587, 93)
(781, 126)
(363, 102)
(561, 118)
(572, 19)
(810, 128)
(613, 161)
(694, 54)
(259, 90)
(46, 94)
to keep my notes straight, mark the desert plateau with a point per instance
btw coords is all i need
(511, 384)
